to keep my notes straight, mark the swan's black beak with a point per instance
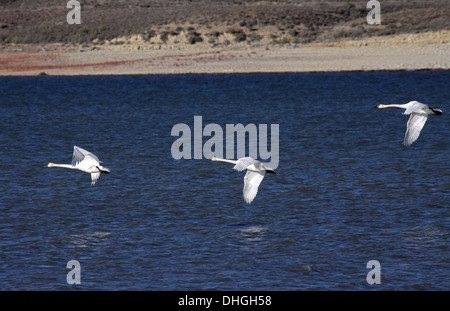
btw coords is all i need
(271, 172)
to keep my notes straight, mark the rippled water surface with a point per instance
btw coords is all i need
(346, 191)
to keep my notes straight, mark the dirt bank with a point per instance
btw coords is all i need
(399, 52)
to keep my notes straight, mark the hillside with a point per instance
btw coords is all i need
(221, 36)
(214, 22)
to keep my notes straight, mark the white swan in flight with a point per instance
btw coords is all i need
(255, 174)
(418, 116)
(85, 161)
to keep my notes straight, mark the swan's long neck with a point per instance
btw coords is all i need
(392, 106)
(60, 165)
(223, 160)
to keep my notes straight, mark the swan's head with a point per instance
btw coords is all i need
(50, 164)
(213, 159)
(379, 106)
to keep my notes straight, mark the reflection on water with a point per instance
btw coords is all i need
(87, 240)
(253, 233)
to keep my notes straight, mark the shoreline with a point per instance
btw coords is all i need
(44, 74)
(406, 52)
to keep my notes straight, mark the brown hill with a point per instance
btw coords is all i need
(215, 22)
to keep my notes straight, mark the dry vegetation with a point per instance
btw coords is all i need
(221, 36)
(213, 22)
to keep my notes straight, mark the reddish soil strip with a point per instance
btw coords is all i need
(19, 62)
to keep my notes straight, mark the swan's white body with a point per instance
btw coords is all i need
(254, 176)
(85, 161)
(418, 117)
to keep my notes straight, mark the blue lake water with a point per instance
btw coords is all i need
(346, 190)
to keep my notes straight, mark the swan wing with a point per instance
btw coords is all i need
(252, 180)
(94, 177)
(79, 154)
(243, 163)
(414, 106)
(415, 124)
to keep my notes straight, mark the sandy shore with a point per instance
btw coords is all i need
(402, 52)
